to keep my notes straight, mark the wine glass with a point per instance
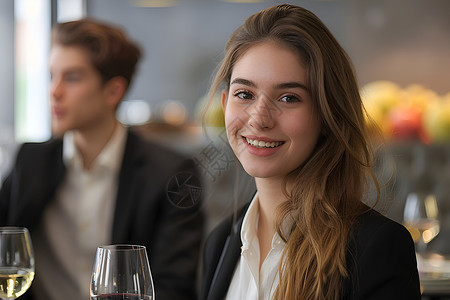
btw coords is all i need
(16, 262)
(420, 217)
(122, 272)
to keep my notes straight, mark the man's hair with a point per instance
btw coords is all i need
(109, 49)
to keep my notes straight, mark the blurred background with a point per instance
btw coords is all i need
(400, 50)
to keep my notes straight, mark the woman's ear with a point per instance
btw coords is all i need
(224, 100)
(115, 90)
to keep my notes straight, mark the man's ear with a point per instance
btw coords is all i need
(115, 89)
(224, 100)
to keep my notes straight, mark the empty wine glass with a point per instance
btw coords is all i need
(122, 272)
(421, 218)
(16, 262)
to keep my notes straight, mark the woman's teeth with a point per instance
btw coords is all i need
(262, 144)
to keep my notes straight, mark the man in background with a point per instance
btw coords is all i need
(95, 182)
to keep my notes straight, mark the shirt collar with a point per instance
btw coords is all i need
(110, 157)
(250, 223)
(71, 156)
(250, 226)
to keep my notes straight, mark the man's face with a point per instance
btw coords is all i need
(78, 97)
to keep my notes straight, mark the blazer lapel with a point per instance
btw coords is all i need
(227, 263)
(128, 190)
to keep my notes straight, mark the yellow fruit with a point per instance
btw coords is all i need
(379, 98)
(213, 116)
(382, 93)
(417, 96)
(377, 122)
(437, 120)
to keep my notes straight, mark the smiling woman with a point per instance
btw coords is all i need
(272, 124)
(295, 121)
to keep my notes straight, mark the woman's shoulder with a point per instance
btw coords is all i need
(372, 224)
(375, 232)
(382, 260)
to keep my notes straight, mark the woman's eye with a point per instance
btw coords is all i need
(289, 99)
(243, 95)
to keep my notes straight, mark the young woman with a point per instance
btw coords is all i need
(295, 120)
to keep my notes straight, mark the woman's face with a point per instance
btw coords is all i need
(269, 117)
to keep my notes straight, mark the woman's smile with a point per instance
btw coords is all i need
(260, 143)
(262, 147)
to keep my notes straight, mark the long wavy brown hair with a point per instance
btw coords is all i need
(325, 193)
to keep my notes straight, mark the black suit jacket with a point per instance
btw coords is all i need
(381, 260)
(143, 213)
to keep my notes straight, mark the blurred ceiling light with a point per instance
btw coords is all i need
(134, 112)
(174, 113)
(155, 3)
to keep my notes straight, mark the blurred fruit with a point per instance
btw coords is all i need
(377, 122)
(406, 122)
(414, 112)
(210, 113)
(385, 94)
(418, 96)
(407, 117)
(379, 97)
(437, 120)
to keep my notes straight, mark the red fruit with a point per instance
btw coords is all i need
(406, 122)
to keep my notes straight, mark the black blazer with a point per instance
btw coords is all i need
(382, 252)
(143, 213)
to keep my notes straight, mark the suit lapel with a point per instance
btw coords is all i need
(128, 190)
(227, 263)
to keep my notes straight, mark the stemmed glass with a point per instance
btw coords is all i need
(421, 218)
(122, 272)
(16, 262)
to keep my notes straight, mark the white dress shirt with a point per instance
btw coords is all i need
(78, 220)
(249, 282)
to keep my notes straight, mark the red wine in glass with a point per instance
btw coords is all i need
(122, 296)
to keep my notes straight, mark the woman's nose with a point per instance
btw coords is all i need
(262, 114)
